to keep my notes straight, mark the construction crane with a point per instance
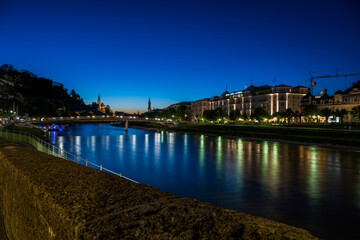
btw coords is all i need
(313, 83)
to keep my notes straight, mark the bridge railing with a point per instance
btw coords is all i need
(46, 147)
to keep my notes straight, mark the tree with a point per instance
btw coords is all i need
(107, 109)
(209, 115)
(356, 112)
(288, 114)
(244, 116)
(326, 112)
(340, 114)
(260, 114)
(309, 111)
(278, 116)
(73, 93)
(180, 112)
(167, 114)
(213, 115)
(153, 114)
(94, 106)
(235, 115)
(298, 116)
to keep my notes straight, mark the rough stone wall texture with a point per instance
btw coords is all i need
(44, 197)
(2, 229)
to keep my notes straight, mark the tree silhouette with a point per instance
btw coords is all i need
(234, 115)
(180, 112)
(107, 109)
(356, 112)
(326, 112)
(309, 111)
(341, 114)
(288, 114)
(35, 95)
(213, 115)
(260, 114)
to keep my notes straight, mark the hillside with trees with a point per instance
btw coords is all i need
(36, 96)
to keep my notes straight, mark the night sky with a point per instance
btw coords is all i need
(174, 50)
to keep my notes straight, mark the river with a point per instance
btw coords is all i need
(312, 187)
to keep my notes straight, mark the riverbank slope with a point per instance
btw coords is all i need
(44, 197)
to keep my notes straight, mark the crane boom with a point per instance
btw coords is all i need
(344, 75)
(329, 76)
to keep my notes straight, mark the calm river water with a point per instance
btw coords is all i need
(307, 186)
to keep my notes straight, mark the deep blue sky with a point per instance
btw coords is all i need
(174, 50)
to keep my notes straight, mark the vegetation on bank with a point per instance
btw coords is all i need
(310, 114)
(178, 113)
(308, 134)
(30, 95)
(31, 129)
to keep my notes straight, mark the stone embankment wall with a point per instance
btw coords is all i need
(44, 197)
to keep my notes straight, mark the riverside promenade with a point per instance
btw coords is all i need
(45, 197)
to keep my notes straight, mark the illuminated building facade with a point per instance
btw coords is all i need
(272, 99)
(198, 107)
(346, 100)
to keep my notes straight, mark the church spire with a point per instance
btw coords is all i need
(149, 105)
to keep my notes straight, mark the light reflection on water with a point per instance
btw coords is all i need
(307, 186)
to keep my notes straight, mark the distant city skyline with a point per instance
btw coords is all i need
(174, 51)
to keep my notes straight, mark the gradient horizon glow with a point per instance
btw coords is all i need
(173, 51)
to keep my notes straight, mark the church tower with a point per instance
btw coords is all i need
(149, 105)
(99, 102)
